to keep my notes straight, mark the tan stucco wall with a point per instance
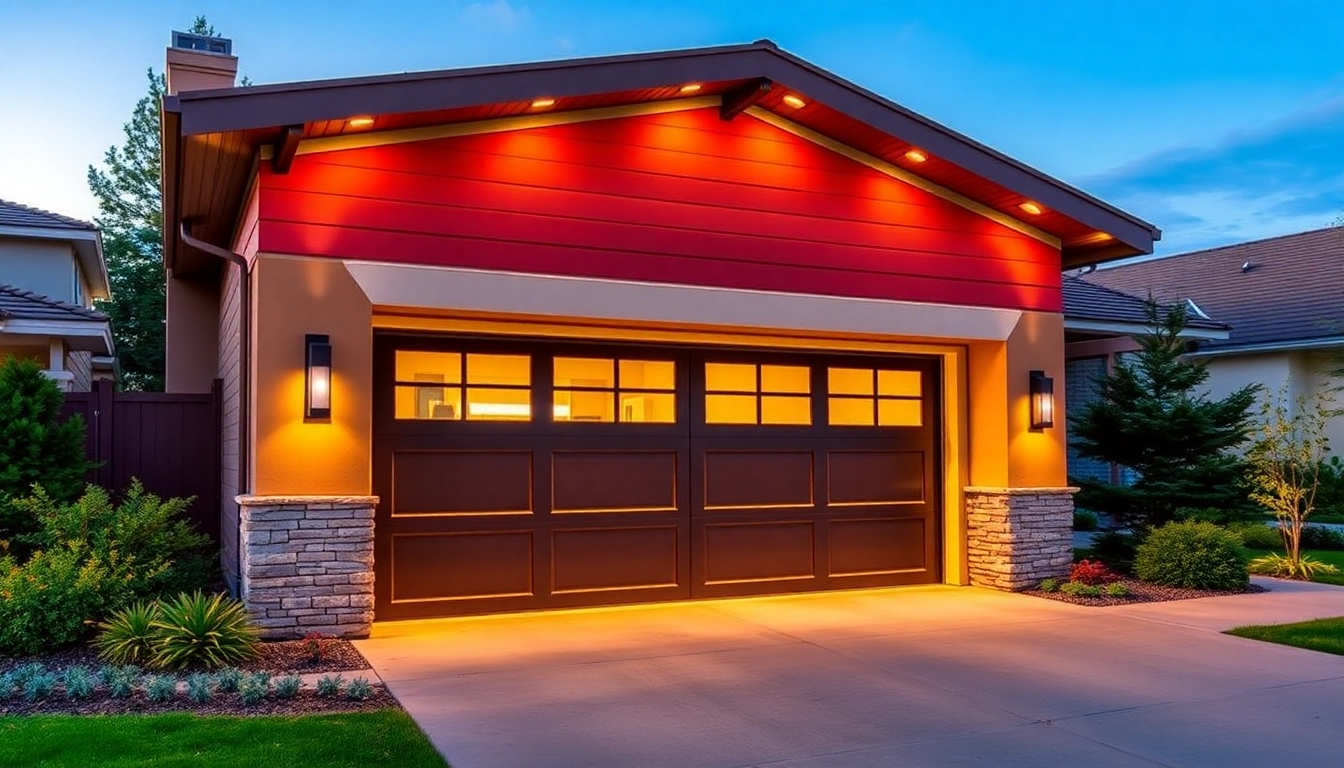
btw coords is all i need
(295, 297)
(47, 267)
(191, 343)
(1302, 372)
(1004, 451)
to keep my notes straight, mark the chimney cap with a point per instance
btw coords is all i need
(202, 43)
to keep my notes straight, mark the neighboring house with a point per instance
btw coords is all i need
(1283, 298)
(51, 270)
(1101, 324)
(663, 326)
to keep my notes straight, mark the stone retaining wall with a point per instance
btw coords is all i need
(307, 564)
(1018, 536)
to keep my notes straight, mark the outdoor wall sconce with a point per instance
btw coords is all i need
(1042, 400)
(317, 376)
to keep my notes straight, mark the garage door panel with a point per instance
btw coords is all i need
(758, 552)
(597, 481)
(596, 560)
(874, 546)
(461, 482)
(458, 566)
(875, 477)
(735, 479)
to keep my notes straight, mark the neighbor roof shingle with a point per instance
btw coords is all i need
(1291, 289)
(1088, 301)
(18, 304)
(16, 215)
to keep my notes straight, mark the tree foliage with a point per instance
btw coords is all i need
(130, 213)
(1152, 417)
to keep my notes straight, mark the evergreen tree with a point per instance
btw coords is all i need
(1151, 416)
(130, 213)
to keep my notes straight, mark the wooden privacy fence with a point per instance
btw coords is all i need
(169, 441)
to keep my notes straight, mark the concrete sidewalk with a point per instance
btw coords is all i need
(917, 676)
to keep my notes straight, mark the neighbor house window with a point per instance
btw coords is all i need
(865, 397)
(455, 386)
(747, 393)
(614, 390)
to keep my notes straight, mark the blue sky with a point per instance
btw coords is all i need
(1218, 121)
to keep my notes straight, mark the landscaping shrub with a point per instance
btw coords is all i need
(8, 683)
(127, 637)
(161, 688)
(45, 602)
(1078, 589)
(39, 686)
(1316, 537)
(1192, 555)
(359, 689)
(330, 685)
(1084, 520)
(1092, 572)
(1049, 585)
(253, 689)
(1116, 590)
(36, 445)
(200, 687)
(1304, 568)
(121, 681)
(228, 679)
(79, 683)
(288, 686)
(1258, 535)
(315, 645)
(194, 629)
(1116, 550)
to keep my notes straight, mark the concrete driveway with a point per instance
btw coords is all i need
(935, 676)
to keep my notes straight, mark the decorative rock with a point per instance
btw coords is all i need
(1018, 536)
(307, 564)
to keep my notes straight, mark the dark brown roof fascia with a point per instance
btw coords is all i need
(170, 175)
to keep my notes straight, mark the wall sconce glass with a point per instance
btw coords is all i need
(317, 376)
(1042, 400)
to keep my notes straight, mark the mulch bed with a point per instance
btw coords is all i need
(1143, 592)
(277, 657)
(306, 703)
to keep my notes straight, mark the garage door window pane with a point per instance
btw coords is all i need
(585, 372)
(444, 367)
(582, 405)
(849, 381)
(648, 408)
(649, 374)
(900, 413)
(730, 409)
(730, 377)
(499, 370)
(795, 379)
(850, 411)
(899, 383)
(786, 410)
(443, 403)
(498, 404)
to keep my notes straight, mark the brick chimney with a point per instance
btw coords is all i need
(197, 62)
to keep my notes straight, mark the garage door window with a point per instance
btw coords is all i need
(746, 393)
(864, 397)
(453, 386)
(609, 390)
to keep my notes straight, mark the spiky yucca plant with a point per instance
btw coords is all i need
(207, 631)
(128, 636)
(1304, 568)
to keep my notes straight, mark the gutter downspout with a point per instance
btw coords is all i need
(244, 366)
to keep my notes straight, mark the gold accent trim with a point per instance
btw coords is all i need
(502, 124)
(882, 166)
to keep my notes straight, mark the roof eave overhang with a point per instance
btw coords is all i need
(1123, 328)
(1328, 342)
(170, 153)
(88, 246)
(86, 335)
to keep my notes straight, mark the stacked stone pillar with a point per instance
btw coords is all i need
(307, 564)
(1018, 536)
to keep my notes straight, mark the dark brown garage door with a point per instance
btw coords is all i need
(518, 476)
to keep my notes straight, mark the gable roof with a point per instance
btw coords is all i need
(217, 134)
(20, 304)
(1086, 302)
(17, 215)
(1291, 291)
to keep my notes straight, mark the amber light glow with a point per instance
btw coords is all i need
(690, 87)
(794, 101)
(916, 156)
(359, 122)
(1030, 207)
(543, 103)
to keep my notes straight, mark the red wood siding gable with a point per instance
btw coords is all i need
(680, 197)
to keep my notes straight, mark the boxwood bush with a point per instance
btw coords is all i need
(1193, 555)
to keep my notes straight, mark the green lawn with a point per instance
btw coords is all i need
(1334, 558)
(1325, 635)
(386, 737)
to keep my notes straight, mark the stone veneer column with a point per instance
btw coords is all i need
(1017, 536)
(307, 564)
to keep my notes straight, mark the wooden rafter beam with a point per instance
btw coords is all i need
(736, 101)
(286, 145)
